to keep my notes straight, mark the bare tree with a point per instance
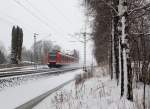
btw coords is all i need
(125, 20)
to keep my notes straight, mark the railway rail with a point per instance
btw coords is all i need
(45, 86)
(33, 72)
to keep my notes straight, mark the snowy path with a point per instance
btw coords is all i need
(16, 96)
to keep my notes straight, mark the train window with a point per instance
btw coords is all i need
(62, 58)
(52, 56)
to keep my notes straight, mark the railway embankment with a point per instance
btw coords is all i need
(25, 95)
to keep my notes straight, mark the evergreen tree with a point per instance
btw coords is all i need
(16, 44)
(2, 57)
(20, 41)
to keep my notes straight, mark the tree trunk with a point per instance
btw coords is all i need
(126, 84)
(130, 78)
(113, 73)
(20, 41)
(116, 41)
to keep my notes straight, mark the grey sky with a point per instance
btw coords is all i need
(51, 19)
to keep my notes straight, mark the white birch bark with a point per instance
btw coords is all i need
(120, 63)
(122, 9)
(124, 57)
(113, 52)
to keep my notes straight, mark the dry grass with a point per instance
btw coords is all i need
(95, 90)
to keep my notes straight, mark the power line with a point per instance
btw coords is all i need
(15, 19)
(34, 15)
(11, 22)
(37, 10)
(8, 21)
(37, 17)
(58, 10)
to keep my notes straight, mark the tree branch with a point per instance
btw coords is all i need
(110, 6)
(139, 8)
(145, 34)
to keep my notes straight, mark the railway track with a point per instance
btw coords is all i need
(48, 80)
(35, 72)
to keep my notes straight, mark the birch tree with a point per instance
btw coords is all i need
(125, 18)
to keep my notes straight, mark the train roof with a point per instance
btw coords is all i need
(64, 54)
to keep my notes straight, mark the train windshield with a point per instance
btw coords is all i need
(53, 56)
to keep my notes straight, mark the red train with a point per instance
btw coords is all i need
(58, 59)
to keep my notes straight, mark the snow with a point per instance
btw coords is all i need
(13, 68)
(15, 96)
(98, 92)
(121, 8)
(7, 82)
(31, 67)
(95, 93)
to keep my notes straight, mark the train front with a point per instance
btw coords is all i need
(54, 59)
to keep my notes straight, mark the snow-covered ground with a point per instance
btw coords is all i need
(32, 68)
(13, 97)
(8, 82)
(13, 68)
(98, 92)
(23, 68)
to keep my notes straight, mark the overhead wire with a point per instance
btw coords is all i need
(58, 10)
(34, 15)
(15, 19)
(36, 9)
(11, 21)
(41, 14)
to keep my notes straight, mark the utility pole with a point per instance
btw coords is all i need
(35, 64)
(84, 66)
(84, 41)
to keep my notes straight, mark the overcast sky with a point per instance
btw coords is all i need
(51, 19)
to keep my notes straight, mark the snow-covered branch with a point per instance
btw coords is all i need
(145, 34)
(139, 8)
(139, 15)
